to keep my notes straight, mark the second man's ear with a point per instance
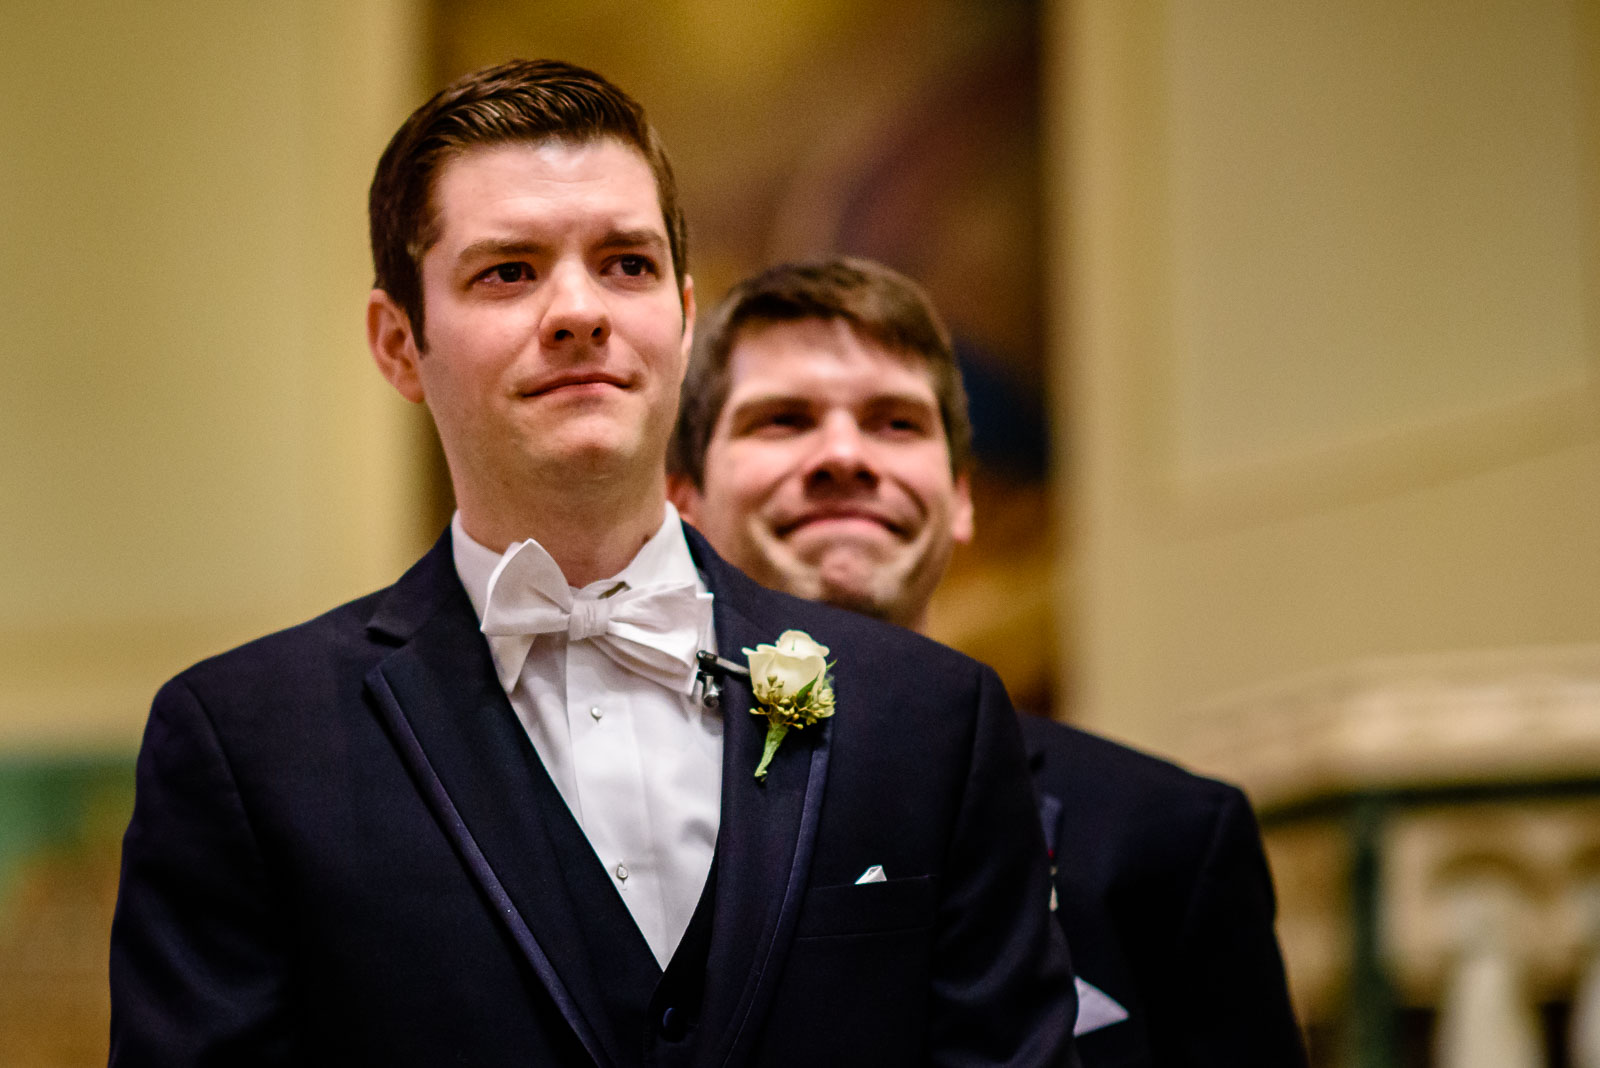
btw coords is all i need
(961, 524)
(684, 497)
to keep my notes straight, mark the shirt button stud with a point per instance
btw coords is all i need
(596, 713)
(622, 873)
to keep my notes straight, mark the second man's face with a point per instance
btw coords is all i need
(556, 334)
(828, 475)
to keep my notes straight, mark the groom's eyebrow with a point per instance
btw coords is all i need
(491, 247)
(642, 237)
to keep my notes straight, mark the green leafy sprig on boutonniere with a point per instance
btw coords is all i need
(791, 687)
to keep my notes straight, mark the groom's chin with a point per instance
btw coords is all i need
(597, 450)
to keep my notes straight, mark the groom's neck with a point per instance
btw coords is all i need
(591, 531)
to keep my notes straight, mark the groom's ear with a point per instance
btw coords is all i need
(394, 346)
(686, 297)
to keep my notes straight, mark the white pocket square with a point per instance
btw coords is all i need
(873, 874)
(1096, 1009)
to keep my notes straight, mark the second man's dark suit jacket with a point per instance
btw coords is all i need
(1166, 900)
(345, 851)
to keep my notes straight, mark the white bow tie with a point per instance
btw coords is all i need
(653, 631)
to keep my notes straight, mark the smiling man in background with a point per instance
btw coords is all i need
(823, 448)
(490, 815)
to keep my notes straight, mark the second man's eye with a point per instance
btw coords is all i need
(510, 272)
(782, 422)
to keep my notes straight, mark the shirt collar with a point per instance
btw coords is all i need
(663, 559)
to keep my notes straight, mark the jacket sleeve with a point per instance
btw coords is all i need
(198, 947)
(1237, 1003)
(1002, 987)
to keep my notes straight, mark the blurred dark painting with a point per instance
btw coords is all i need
(902, 130)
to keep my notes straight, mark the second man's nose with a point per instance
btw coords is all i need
(842, 452)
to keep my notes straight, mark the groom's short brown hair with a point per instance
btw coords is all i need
(519, 101)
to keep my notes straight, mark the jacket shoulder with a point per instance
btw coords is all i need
(347, 637)
(1130, 816)
(289, 649)
(1069, 761)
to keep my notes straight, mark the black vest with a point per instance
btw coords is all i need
(650, 1016)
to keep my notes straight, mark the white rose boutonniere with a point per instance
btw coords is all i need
(791, 686)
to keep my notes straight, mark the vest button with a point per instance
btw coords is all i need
(674, 1024)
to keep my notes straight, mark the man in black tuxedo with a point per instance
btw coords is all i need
(822, 448)
(507, 810)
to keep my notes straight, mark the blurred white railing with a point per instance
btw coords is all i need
(1434, 829)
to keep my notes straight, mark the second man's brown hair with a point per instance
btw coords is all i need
(882, 305)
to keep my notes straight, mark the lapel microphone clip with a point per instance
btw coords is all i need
(709, 670)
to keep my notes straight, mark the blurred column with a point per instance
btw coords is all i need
(198, 448)
(1485, 1016)
(1586, 999)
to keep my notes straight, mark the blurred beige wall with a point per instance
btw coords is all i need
(197, 449)
(1324, 302)
(1327, 325)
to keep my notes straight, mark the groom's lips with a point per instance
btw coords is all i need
(575, 381)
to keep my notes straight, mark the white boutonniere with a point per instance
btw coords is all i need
(791, 687)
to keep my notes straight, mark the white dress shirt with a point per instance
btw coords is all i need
(639, 764)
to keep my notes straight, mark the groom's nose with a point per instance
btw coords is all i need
(576, 308)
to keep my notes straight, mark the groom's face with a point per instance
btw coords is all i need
(556, 332)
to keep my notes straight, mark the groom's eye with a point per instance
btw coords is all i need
(635, 265)
(632, 265)
(508, 273)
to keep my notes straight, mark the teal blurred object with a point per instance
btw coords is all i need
(62, 816)
(60, 802)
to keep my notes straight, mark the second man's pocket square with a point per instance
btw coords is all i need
(873, 874)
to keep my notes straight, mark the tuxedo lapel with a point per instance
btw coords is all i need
(767, 832)
(471, 760)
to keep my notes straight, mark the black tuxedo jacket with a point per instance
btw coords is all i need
(1167, 903)
(345, 851)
